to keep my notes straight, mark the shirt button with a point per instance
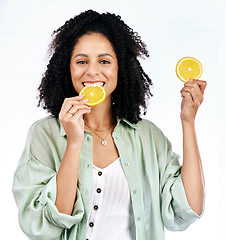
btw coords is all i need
(118, 137)
(91, 224)
(88, 165)
(134, 191)
(87, 138)
(138, 219)
(99, 173)
(98, 190)
(95, 207)
(127, 164)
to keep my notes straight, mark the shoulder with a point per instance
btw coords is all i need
(151, 134)
(43, 138)
(145, 123)
(144, 127)
(49, 122)
(45, 126)
(148, 127)
(44, 129)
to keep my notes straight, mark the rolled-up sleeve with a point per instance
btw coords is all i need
(176, 213)
(35, 189)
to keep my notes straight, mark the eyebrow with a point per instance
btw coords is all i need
(100, 55)
(105, 54)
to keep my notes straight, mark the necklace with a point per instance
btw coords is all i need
(98, 130)
(103, 142)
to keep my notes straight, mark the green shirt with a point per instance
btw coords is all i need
(151, 168)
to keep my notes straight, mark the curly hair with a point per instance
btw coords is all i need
(133, 86)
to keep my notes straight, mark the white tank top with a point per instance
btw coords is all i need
(111, 216)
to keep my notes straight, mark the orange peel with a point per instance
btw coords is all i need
(188, 68)
(95, 95)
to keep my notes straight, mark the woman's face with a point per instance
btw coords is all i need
(93, 62)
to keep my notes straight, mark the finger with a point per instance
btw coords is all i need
(186, 100)
(186, 96)
(80, 113)
(69, 118)
(194, 89)
(201, 84)
(190, 94)
(78, 104)
(193, 84)
(74, 109)
(73, 99)
(79, 97)
(70, 110)
(70, 102)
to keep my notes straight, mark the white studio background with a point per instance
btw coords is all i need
(172, 30)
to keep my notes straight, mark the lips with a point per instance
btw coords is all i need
(93, 84)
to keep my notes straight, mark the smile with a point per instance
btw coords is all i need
(93, 84)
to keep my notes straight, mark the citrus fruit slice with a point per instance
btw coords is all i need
(188, 68)
(95, 95)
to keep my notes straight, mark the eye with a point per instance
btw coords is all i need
(81, 62)
(105, 62)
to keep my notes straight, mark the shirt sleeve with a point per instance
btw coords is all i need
(34, 189)
(176, 213)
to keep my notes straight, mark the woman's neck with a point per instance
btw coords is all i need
(100, 117)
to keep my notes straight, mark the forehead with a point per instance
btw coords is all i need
(94, 42)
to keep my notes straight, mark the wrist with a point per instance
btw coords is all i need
(73, 145)
(186, 123)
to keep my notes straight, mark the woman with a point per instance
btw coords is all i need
(68, 184)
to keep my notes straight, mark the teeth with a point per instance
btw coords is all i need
(93, 84)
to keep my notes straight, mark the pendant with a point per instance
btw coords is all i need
(104, 142)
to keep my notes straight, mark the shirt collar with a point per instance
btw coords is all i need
(132, 125)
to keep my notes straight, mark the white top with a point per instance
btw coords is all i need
(111, 216)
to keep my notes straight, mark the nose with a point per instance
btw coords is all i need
(92, 69)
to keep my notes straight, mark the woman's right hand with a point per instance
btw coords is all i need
(71, 117)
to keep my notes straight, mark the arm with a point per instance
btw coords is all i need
(67, 175)
(191, 172)
(35, 187)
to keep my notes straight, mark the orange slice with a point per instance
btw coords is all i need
(188, 68)
(95, 95)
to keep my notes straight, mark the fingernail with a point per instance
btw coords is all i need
(85, 100)
(190, 80)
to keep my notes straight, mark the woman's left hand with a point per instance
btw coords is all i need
(192, 94)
